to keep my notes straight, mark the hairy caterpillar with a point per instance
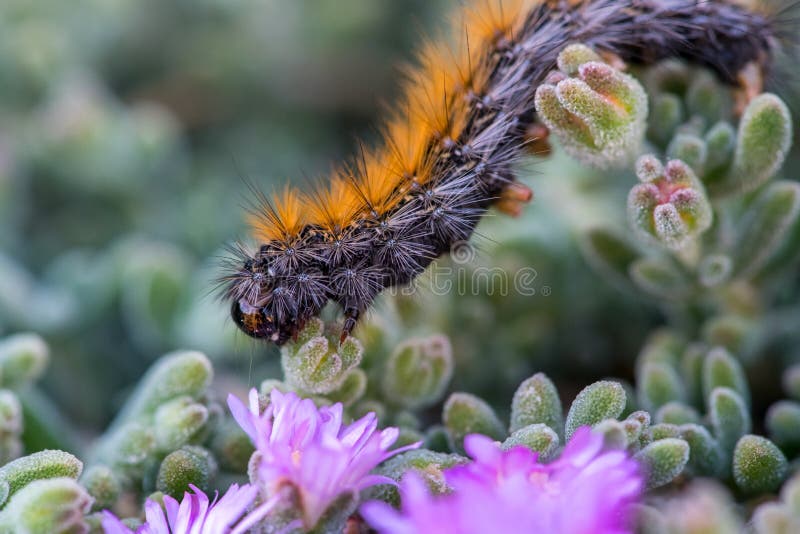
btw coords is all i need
(449, 149)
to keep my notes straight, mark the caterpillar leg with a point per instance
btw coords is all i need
(350, 320)
(513, 198)
(751, 84)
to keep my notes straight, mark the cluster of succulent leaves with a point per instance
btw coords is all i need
(90, 125)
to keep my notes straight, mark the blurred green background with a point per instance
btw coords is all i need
(127, 130)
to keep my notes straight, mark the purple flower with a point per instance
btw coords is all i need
(195, 514)
(308, 448)
(588, 490)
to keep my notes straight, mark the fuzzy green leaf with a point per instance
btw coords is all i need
(52, 506)
(40, 465)
(188, 465)
(597, 402)
(663, 460)
(536, 401)
(729, 417)
(23, 359)
(759, 466)
(467, 414)
(772, 214)
(720, 369)
(418, 371)
(536, 437)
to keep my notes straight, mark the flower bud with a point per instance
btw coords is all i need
(669, 206)
(598, 112)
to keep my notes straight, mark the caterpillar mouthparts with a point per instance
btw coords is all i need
(449, 151)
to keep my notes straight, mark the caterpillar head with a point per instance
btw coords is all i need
(263, 304)
(260, 322)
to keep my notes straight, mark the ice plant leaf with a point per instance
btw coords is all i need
(610, 253)
(536, 401)
(658, 384)
(465, 414)
(662, 431)
(729, 417)
(11, 421)
(52, 506)
(40, 465)
(599, 401)
(720, 141)
(690, 149)
(705, 456)
(428, 465)
(767, 221)
(178, 420)
(764, 138)
(537, 437)
(720, 369)
(676, 413)
(615, 434)
(791, 381)
(663, 460)
(666, 114)
(23, 358)
(783, 424)
(103, 486)
(317, 364)
(418, 371)
(351, 389)
(189, 465)
(177, 374)
(759, 466)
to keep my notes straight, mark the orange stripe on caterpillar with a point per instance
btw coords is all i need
(450, 148)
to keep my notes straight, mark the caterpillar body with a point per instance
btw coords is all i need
(449, 150)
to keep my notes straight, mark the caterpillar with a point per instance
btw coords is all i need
(449, 150)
